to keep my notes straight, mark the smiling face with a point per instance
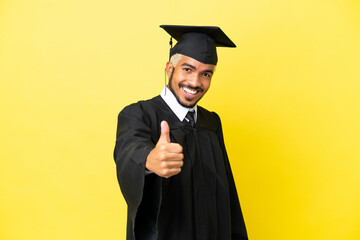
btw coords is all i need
(189, 80)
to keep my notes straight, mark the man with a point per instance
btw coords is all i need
(172, 165)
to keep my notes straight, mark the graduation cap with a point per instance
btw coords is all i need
(198, 42)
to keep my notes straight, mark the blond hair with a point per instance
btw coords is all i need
(175, 59)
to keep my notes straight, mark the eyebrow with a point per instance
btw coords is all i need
(189, 65)
(193, 67)
(209, 71)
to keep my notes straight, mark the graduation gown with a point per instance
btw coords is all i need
(200, 202)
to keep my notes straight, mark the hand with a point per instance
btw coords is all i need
(166, 159)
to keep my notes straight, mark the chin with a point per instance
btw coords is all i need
(187, 104)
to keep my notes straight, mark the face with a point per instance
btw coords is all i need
(189, 80)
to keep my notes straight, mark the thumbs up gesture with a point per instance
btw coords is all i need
(166, 159)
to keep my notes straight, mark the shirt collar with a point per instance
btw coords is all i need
(179, 110)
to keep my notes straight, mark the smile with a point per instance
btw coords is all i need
(190, 91)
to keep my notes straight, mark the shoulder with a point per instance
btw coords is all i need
(207, 113)
(149, 112)
(142, 105)
(142, 108)
(208, 119)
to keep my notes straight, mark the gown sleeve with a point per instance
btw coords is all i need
(134, 141)
(238, 229)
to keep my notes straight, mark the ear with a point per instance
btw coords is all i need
(169, 69)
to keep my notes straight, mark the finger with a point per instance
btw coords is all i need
(172, 164)
(165, 133)
(171, 172)
(171, 157)
(172, 148)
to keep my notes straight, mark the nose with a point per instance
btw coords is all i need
(195, 80)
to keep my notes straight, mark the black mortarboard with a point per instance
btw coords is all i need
(198, 42)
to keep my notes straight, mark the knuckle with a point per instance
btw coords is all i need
(162, 156)
(163, 164)
(165, 172)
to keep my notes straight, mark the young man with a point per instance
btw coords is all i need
(172, 165)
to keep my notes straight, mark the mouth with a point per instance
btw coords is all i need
(190, 92)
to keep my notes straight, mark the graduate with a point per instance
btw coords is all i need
(171, 161)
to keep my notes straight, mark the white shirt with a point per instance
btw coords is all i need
(179, 110)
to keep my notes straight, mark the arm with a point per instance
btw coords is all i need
(134, 141)
(135, 153)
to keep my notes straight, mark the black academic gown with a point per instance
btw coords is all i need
(201, 202)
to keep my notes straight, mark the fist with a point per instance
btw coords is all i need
(166, 159)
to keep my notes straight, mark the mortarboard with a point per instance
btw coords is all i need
(198, 42)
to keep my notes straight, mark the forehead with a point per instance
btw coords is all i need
(195, 63)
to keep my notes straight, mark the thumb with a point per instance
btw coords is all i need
(165, 133)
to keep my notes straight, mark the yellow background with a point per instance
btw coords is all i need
(288, 96)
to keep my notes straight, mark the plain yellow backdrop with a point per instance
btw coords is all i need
(288, 96)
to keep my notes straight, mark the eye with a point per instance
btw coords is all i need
(208, 75)
(187, 69)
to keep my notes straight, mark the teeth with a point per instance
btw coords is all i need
(193, 92)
